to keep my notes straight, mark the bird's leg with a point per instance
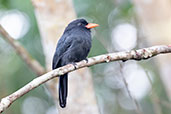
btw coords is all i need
(86, 60)
(74, 64)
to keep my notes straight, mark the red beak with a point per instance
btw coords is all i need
(91, 25)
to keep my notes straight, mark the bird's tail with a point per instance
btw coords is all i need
(63, 90)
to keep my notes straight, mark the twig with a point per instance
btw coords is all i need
(131, 55)
(155, 99)
(138, 109)
(32, 63)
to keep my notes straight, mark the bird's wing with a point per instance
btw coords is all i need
(62, 46)
(66, 45)
(56, 61)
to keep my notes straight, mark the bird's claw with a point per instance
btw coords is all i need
(86, 60)
(124, 60)
(75, 65)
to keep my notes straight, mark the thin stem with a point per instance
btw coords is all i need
(138, 109)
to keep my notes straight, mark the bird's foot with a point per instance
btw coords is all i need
(75, 65)
(124, 60)
(86, 60)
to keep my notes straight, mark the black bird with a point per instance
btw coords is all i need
(73, 46)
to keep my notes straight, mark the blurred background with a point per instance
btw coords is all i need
(124, 25)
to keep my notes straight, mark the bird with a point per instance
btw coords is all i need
(73, 46)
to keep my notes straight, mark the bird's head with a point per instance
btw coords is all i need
(82, 23)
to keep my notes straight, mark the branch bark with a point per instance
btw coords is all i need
(140, 54)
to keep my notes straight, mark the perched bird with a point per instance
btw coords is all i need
(73, 46)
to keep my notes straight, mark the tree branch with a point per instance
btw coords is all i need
(140, 54)
(32, 63)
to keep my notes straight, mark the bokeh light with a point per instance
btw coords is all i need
(124, 37)
(34, 105)
(52, 110)
(137, 79)
(15, 23)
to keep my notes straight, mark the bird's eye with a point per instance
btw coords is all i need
(79, 24)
